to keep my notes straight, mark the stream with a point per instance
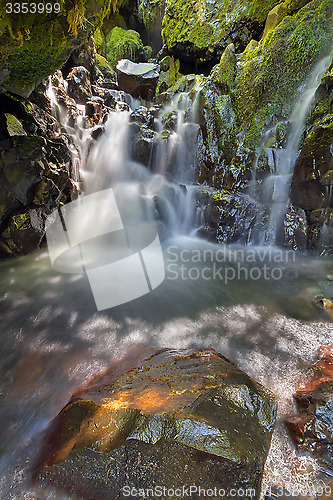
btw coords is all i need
(255, 305)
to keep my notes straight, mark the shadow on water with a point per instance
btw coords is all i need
(53, 338)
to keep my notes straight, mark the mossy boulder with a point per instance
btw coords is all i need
(201, 30)
(105, 68)
(169, 73)
(33, 46)
(123, 44)
(223, 74)
(269, 76)
(179, 417)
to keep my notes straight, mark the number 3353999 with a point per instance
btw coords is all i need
(33, 8)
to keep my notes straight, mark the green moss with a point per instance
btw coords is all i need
(260, 8)
(205, 24)
(224, 73)
(104, 67)
(169, 73)
(113, 21)
(14, 126)
(270, 75)
(100, 42)
(33, 46)
(123, 44)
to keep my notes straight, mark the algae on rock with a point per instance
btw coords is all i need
(123, 44)
(33, 46)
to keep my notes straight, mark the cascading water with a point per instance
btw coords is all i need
(273, 193)
(164, 192)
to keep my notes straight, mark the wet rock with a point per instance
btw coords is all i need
(79, 87)
(23, 234)
(312, 184)
(35, 169)
(171, 418)
(294, 229)
(229, 217)
(142, 116)
(144, 146)
(312, 428)
(137, 79)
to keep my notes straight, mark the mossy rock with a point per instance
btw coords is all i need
(270, 75)
(169, 74)
(123, 44)
(201, 29)
(105, 68)
(14, 126)
(33, 46)
(223, 74)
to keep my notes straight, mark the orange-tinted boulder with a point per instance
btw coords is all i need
(312, 429)
(191, 408)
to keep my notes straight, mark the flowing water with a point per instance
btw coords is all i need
(273, 193)
(253, 305)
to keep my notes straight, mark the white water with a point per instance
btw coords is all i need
(274, 192)
(53, 337)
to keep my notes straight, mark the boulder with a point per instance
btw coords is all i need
(168, 419)
(229, 217)
(312, 429)
(79, 87)
(137, 79)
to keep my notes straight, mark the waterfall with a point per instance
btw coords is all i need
(161, 193)
(273, 193)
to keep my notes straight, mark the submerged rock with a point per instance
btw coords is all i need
(312, 429)
(137, 79)
(170, 419)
